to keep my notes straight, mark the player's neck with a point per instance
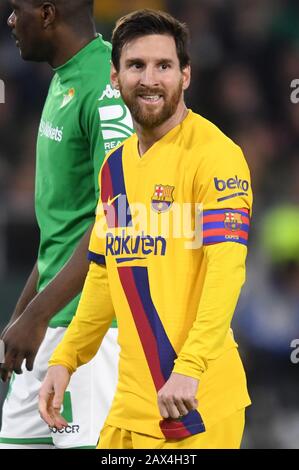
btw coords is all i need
(148, 137)
(69, 44)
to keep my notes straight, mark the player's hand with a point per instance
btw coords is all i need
(22, 340)
(51, 396)
(178, 396)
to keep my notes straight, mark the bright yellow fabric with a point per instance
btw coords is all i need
(226, 434)
(92, 320)
(194, 291)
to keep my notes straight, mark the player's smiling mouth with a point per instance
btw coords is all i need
(150, 98)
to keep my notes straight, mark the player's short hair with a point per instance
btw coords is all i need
(147, 22)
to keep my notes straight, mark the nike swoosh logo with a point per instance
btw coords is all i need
(111, 201)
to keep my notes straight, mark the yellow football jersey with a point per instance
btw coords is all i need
(167, 255)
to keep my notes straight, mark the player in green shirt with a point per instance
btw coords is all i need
(83, 118)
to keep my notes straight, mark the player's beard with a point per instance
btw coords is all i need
(151, 118)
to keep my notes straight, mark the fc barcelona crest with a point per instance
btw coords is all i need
(233, 221)
(162, 198)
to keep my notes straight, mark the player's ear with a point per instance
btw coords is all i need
(186, 72)
(48, 14)
(114, 77)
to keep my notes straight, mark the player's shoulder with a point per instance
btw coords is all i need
(94, 65)
(106, 46)
(102, 48)
(207, 143)
(199, 132)
(95, 90)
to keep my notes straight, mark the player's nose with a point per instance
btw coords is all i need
(149, 77)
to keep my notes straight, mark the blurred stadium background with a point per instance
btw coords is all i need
(245, 55)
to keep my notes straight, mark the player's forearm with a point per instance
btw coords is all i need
(64, 287)
(224, 279)
(93, 317)
(29, 292)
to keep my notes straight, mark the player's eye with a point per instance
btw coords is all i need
(164, 66)
(136, 65)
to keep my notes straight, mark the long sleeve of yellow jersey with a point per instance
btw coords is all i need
(222, 184)
(224, 278)
(94, 315)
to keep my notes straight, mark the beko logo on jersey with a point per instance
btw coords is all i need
(129, 245)
(46, 129)
(231, 183)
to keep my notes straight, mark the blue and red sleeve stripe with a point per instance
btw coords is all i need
(225, 225)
